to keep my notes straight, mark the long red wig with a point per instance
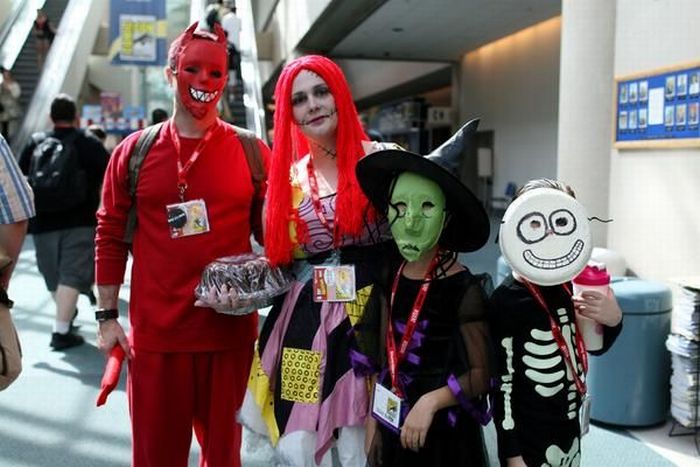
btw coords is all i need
(290, 144)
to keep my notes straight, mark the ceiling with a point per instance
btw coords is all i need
(440, 30)
(415, 31)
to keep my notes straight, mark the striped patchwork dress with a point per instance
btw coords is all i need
(301, 378)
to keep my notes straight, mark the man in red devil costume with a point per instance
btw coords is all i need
(188, 365)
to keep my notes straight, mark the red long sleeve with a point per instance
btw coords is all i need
(165, 271)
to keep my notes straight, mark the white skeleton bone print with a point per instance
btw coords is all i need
(542, 357)
(558, 458)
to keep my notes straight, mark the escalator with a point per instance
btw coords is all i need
(244, 107)
(25, 69)
(66, 62)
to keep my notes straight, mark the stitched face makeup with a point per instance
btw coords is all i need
(313, 105)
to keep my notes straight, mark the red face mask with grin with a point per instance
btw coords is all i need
(201, 76)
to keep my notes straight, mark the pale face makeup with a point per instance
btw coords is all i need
(313, 107)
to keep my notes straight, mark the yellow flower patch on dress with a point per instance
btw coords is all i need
(301, 375)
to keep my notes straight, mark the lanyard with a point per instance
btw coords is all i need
(182, 170)
(316, 198)
(395, 357)
(559, 338)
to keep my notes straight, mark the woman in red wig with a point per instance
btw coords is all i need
(303, 393)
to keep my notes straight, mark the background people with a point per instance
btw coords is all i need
(44, 34)
(17, 206)
(64, 226)
(10, 110)
(158, 115)
(232, 25)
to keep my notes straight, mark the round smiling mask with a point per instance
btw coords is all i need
(545, 236)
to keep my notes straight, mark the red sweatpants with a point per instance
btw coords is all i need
(171, 393)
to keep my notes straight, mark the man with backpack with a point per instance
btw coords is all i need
(179, 195)
(65, 168)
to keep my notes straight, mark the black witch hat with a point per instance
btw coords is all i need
(468, 227)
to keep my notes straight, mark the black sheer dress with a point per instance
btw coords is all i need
(450, 347)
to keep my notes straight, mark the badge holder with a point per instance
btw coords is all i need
(585, 414)
(187, 218)
(387, 408)
(334, 282)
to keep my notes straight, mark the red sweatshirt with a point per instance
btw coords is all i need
(165, 271)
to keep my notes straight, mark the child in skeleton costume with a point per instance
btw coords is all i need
(541, 356)
(433, 346)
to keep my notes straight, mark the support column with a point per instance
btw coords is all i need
(585, 104)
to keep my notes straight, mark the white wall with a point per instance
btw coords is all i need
(654, 194)
(369, 77)
(5, 8)
(512, 84)
(125, 80)
(585, 105)
(291, 20)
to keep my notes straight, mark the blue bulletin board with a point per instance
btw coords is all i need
(658, 108)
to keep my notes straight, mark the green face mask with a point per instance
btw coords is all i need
(416, 214)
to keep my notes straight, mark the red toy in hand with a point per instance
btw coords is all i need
(111, 375)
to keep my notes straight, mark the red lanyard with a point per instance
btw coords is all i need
(559, 338)
(316, 198)
(182, 170)
(395, 357)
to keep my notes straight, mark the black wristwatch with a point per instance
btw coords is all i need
(104, 314)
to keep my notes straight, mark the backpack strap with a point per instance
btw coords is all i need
(258, 176)
(253, 157)
(143, 145)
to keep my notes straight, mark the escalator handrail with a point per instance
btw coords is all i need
(252, 86)
(9, 23)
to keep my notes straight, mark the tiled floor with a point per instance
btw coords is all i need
(48, 417)
(681, 450)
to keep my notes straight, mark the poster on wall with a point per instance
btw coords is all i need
(138, 32)
(658, 108)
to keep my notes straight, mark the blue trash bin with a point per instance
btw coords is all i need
(503, 270)
(629, 384)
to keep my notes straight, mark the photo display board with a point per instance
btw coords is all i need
(658, 108)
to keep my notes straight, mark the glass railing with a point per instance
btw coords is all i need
(16, 29)
(250, 71)
(65, 64)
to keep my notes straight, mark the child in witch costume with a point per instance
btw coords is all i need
(433, 346)
(541, 356)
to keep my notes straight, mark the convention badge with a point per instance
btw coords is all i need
(334, 283)
(188, 218)
(585, 414)
(386, 407)
(545, 236)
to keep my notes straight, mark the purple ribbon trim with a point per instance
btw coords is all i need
(417, 337)
(361, 364)
(412, 358)
(481, 411)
